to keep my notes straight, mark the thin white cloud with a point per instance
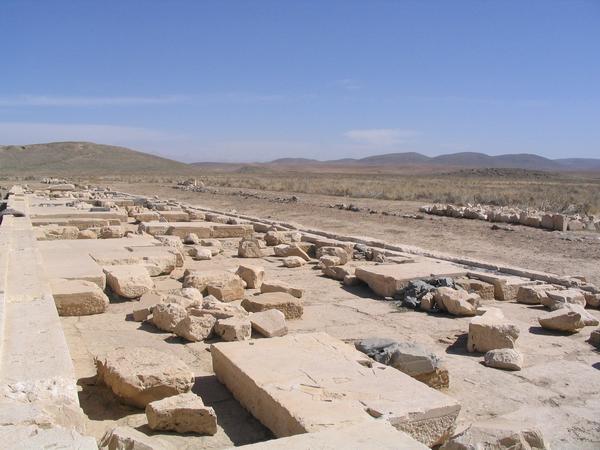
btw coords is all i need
(74, 101)
(349, 84)
(380, 136)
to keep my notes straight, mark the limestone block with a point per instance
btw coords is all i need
(280, 286)
(249, 248)
(504, 358)
(234, 329)
(338, 272)
(270, 323)
(252, 275)
(111, 232)
(307, 383)
(227, 290)
(456, 302)
(289, 305)
(183, 413)
(141, 375)
(195, 328)
(483, 289)
(129, 281)
(491, 331)
(200, 253)
(293, 261)
(78, 297)
(127, 438)
(556, 299)
(533, 295)
(338, 252)
(285, 250)
(166, 316)
(216, 308)
(562, 319)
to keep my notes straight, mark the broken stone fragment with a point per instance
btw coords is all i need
(195, 328)
(491, 331)
(216, 308)
(595, 338)
(191, 239)
(141, 375)
(128, 281)
(227, 290)
(351, 280)
(289, 305)
(329, 261)
(183, 413)
(201, 279)
(270, 323)
(252, 275)
(166, 316)
(456, 302)
(338, 252)
(533, 295)
(201, 253)
(284, 250)
(87, 234)
(127, 438)
(556, 299)
(483, 289)
(78, 297)
(111, 232)
(234, 329)
(249, 248)
(497, 434)
(587, 318)
(504, 358)
(280, 286)
(293, 261)
(562, 320)
(338, 272)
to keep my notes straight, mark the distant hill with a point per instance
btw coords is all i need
(84, 158)
(469, 160)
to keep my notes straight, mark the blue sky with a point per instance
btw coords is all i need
(256, 80)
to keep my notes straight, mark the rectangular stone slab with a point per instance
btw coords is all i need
(387, 279)
(201, 229)
(375, 435)
(72, 265)
(311, 382)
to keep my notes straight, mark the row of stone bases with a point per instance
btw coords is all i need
(517, 216)
(311, 390)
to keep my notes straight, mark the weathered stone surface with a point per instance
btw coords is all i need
(201, 279)
(592, 300)
(142, 375)
(87, 234)
(289, 305)
(111, 232)
(389, 279)
(227, 290)
(166, 316)
(329, 261)
(587, 318)
(183, 413)
(595, 338)
(216, 308)
(351, 280)
(34, 437)
(497, 434)
(562, 320)
(533, 295)
(505, 286)
(408, 357)
(200, 253)
(127, 438)
(556, 299)
(483, 289)
(338, 252)
(191, 239)
(234, 329)
(280, 286)
(195, 328)
(504, 358)
(270, 323)
(338, 272)
(285, 250)
(249, 248)
(370, 435)
(252, 275)
(129, 281)
(293, 261)
(273, 237)
(491, 331)
(78, 297)
(312, 382)
(456, 302)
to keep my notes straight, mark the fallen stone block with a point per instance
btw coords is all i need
(142, 375)
(595, 338)
(497, 434)
(533, 295)
(506, 287)
(329, 261)
(592, 300)
(200, 253)
(285, 250)
(183, 413)
(234, 329)
(562, 320)
(289, 305)
(227, 290)
(280, 286)
(351, 280)
(191, 239)
(387, 280)
(128, 281)
(270, 323)
(338, 272)
(293, 262)
(166, 316)
(219, 310)
(111, 232)
(491, 331)
(127, 438)
(504, 358)
(201, 279)
(175, 216)
(408, 357)
(87, 234)
(78, 297)
(307, 383)
(587, 318)
(370, 435)
(249, 248)
(481, 288)
(456, 302)
(253, 276)
(147, 216)
(556, 299)
(195, 328)
(338, 252)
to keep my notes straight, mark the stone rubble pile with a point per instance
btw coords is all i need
(516, 216)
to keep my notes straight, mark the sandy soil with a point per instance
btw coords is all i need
(570, 253)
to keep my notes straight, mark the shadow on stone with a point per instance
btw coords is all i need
(99, 403)
(459, 347)
(544, 332)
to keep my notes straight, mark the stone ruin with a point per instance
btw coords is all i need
(134, 322)
(516, 216)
